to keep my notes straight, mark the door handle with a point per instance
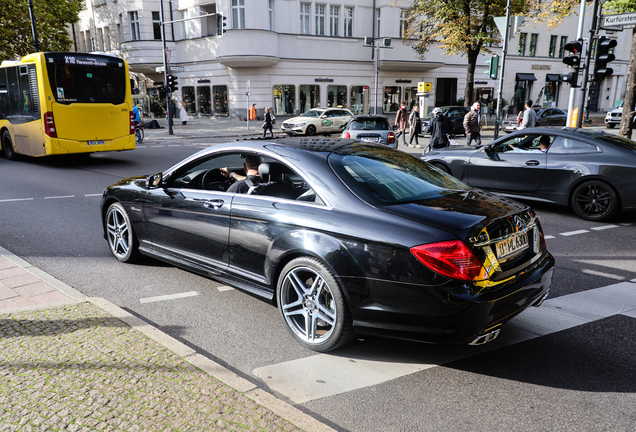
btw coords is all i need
(533, 162)
(215, 203)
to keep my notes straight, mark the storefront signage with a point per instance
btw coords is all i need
(324, 80)
(540, 67)
(402, 81)
(624, 20)
(481, 82)
(202, 81)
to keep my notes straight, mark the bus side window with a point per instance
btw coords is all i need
(4, 94)
(14, 91)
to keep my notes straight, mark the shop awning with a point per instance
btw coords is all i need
(526, 77)
(553, 77)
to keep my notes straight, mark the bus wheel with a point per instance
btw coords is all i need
(7, 146)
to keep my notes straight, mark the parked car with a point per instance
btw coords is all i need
(589, 170)
(613, 117)
(317, 121)
(344, 237)
(372, 128)
(545, 117)
(455, 116)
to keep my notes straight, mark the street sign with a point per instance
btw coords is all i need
(172, 69)
(427, 86)
(420, 87)
(624, 20)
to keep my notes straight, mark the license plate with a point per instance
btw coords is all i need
(512, 245)
(370, 139)
(100, 142)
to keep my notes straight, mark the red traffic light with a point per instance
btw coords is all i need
(574, 47)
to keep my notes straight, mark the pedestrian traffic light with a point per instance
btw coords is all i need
(574, 59)
(172, 83)
(220, 22)
(571, 79)
(603, 47)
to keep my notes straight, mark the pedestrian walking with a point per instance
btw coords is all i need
(529, 116)
(472, 126)
(401, 120)
(183, 114)
(267, 124)
(438, 130)
(415, 126)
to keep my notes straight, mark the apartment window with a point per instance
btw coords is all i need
(100, 39)
(134, 25)
(305, 12)
(403, 22)
(270, 11)
(348, 21)
(522, 44)
(334, 20)
(564, 42)
(377, 25)
(553, 42)
(184, 26)
(533, 45)
(156, 25)
(106, 39)
(320, 19)
(238, 14)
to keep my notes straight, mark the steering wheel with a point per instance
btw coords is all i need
(215, 180)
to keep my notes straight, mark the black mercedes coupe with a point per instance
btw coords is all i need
(589, 170)
(344, 237)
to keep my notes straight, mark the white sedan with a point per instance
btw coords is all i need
(317, 121)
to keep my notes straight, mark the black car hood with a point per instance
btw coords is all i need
(462, 210)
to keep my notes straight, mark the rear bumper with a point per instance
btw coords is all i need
(59, 146)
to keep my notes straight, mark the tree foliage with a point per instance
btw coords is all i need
(461, 27)
(52, 18)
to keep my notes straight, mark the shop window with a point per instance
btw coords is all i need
(392, 98)
(309, 97)
(360, 99)
(551, 93)
(336, 96)
(410, 97)
(284, 99)
(203, 100)
(220, 100)
(188, 98)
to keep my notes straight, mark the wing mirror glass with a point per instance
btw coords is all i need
(153, 181)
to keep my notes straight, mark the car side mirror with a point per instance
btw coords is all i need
(323, 116)
(153, 181)
(343, 127)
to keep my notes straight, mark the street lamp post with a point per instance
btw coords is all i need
(36, 44)
(370, 42)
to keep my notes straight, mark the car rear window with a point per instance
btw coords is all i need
(381, 176)
(618, 141)
(369, 124)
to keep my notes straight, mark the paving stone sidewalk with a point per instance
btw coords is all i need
(71, 363)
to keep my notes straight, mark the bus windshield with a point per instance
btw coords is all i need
(86, 78)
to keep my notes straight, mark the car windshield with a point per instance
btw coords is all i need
(380, 176)
(312, 113)
(369, 124)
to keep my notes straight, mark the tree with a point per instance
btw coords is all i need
(462, 27)
(52, 18)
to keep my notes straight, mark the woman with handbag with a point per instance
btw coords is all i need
(267, 124)
(415, 126)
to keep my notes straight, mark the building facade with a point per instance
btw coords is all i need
(294, 55)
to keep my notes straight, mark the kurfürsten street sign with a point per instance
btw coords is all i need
(620, 20)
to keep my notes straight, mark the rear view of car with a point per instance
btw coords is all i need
(376, 129)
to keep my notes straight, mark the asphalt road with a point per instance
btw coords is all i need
(565, 366)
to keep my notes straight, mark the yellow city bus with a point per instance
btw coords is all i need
(65, 103)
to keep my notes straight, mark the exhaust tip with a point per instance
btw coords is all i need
(542, 299)
(486, 337)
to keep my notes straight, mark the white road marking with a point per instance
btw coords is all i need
(571, 233)
(225, 288)
(157, 145)
(605, 275)
(63, 196)
(604, 227)
(168, 297)
(93, 195)
(323, 375)
(16, 199)
(548, 237)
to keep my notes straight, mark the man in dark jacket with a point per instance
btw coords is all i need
(438, 129)
(472, 126)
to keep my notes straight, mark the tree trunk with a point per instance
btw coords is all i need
(630, 93)
(470, 77)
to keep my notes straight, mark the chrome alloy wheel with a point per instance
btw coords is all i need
(594, 200)
(308, 305)
(120, 235)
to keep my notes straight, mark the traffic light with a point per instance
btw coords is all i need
(220, 22)
(494, 67)
(574, 59)
(571, 79)
(172, 83)
(603, 57)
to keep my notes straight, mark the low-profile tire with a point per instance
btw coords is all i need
(595, 201)
(611, 125)
(121, 237)
(311, 130)
(313, 306)
(7, 147)
(442, 167)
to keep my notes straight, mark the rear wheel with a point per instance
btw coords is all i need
(313, 306)
(139, 135)
(311, 130)
(595, 201)
(120, 235)
(7, 146)
(442, 167)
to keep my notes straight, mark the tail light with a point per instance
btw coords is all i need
(452, 259)
(390, 138)
(346, 135)
(132, 123)
(49, 125)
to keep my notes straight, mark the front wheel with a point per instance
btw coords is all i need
(139, 135)
(595, 201)
(120, 235)
(611, 125)
(313, 306)
(311, 130)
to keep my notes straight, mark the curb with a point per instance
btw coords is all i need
(250, 390)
